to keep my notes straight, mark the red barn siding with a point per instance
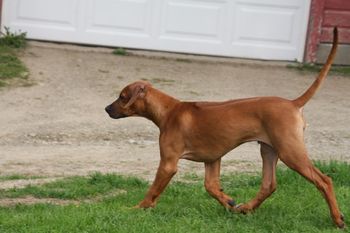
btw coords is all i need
(337, 4)
(336, 13)
(314, 33)
(324, 16)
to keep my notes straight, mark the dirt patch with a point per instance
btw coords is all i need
(30, 200)
(58, 127)
(7, 184)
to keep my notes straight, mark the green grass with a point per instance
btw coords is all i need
(185, 60)
(10, 66)
(296, 206)
(75, 187)
(314, 68)
(13, 39)
(120, 52)
(18, 177)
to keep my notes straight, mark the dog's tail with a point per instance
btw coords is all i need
(304, 98)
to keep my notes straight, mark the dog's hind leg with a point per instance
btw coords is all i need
(268, 185)
(294, 156)
(212, 184)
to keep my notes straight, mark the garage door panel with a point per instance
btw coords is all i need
(273, 28)
(33, 11)
(29, 14)
(268, 25)
(127, 16)
(179, 21)
(261, 51)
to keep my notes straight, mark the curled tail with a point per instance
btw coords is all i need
(304, 98)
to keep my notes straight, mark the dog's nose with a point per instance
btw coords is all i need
(108, 108)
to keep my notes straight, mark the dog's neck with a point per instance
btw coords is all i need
(156, 112)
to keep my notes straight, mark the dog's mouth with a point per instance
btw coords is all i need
(113, 115)
(116, 116)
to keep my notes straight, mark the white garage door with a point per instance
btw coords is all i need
(263, 29)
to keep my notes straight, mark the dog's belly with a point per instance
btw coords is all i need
(212, 152)
(206, 154)
(198, 157)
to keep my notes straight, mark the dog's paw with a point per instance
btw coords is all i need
(145, 205)
(237, 208)
(341, 224)
(231, 203)
(243, 208)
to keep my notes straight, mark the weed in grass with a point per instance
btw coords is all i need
(120, 52)
(185, 60)
(194, 93)
(296, 206)
(13, 39)
(314, 68)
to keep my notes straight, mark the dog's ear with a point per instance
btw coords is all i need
(138, 91)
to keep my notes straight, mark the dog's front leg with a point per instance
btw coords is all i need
(166, 170)
(212, 184)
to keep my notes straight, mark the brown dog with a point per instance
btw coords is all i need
(206, 131)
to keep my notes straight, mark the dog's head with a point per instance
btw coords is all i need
(130, 101)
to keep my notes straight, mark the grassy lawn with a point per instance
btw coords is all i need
(103, 204)
(10, 66)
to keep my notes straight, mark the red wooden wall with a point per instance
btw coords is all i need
(324, 16)
(336, 13)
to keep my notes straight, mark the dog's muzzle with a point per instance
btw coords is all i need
(108, 109)
(113, 114)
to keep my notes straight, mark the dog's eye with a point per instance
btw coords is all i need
(122, 97)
